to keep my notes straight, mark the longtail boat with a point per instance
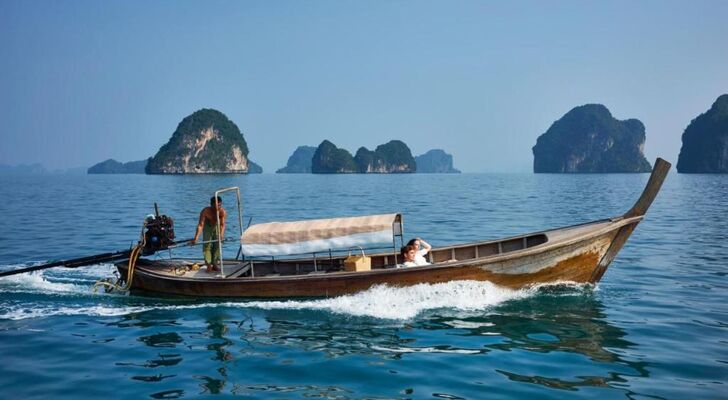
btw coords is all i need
(270, 265)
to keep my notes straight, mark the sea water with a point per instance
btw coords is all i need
(655, 327)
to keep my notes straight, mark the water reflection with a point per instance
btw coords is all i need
(559, 319)
(217, 330)
(555, 323)
(242, 350)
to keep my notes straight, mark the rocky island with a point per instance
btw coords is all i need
(329, 159)
(589, 139)
(254, 168)
(299, 162)
(392, 157)
(112, 166)
(435, 161)
(205, 142)
(705, 141)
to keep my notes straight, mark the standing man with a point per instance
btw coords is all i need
(208, 227)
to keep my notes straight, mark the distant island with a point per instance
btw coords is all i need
(589, 139)
(435, 161)
(254, 168)
(299, 162)
(37, 169)
(22, 169)
(205, 142)
(705, 141)
(392, 157)
(112, 166)
(329, 159)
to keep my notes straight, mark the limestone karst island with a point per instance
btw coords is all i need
(705, 141)
(206, 142)
(589, 139)
(586, 139)
(391, 157)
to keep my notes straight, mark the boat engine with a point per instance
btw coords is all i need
(158, 234)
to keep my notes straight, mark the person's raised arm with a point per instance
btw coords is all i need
(426, 246)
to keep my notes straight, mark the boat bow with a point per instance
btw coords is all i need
(636, 213)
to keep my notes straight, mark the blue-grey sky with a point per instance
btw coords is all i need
(83, 81)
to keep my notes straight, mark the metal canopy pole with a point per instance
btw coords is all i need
(240, 223)
(394, 236)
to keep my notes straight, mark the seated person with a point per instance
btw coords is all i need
(420, 252)
(408, 256)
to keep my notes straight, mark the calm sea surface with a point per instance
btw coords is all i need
(655, 327)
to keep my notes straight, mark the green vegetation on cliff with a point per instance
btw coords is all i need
(589, 139)
(369, 161)
(705, 141)
(329, 159)
(204, 142)
(392, 157)
(397, 156)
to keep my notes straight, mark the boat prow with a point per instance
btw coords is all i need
(579, 253)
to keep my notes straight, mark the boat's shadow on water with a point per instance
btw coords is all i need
(247, 350)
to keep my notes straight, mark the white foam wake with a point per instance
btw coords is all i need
(36, 282)
(400, 303)
(57, 281)
(18, 312)
(383, 302)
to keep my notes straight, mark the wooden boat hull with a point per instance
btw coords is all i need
(573, 258)
(579, 253)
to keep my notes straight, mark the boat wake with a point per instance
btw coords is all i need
(402, 303)
(58, 281)
(37, 283)
(70, 293)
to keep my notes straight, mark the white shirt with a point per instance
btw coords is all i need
(420, 258)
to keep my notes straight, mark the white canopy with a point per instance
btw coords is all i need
(298, 237)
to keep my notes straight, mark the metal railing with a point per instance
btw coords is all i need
(240, 223)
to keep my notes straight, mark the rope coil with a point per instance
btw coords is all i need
(123, 285)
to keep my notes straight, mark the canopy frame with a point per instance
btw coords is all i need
(240, 224)
(288, 234)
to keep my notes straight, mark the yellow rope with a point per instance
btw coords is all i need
(133, 257)
(116, 286)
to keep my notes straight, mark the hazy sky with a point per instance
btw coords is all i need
(84, 81)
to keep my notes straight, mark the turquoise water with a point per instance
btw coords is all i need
(655, 327)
